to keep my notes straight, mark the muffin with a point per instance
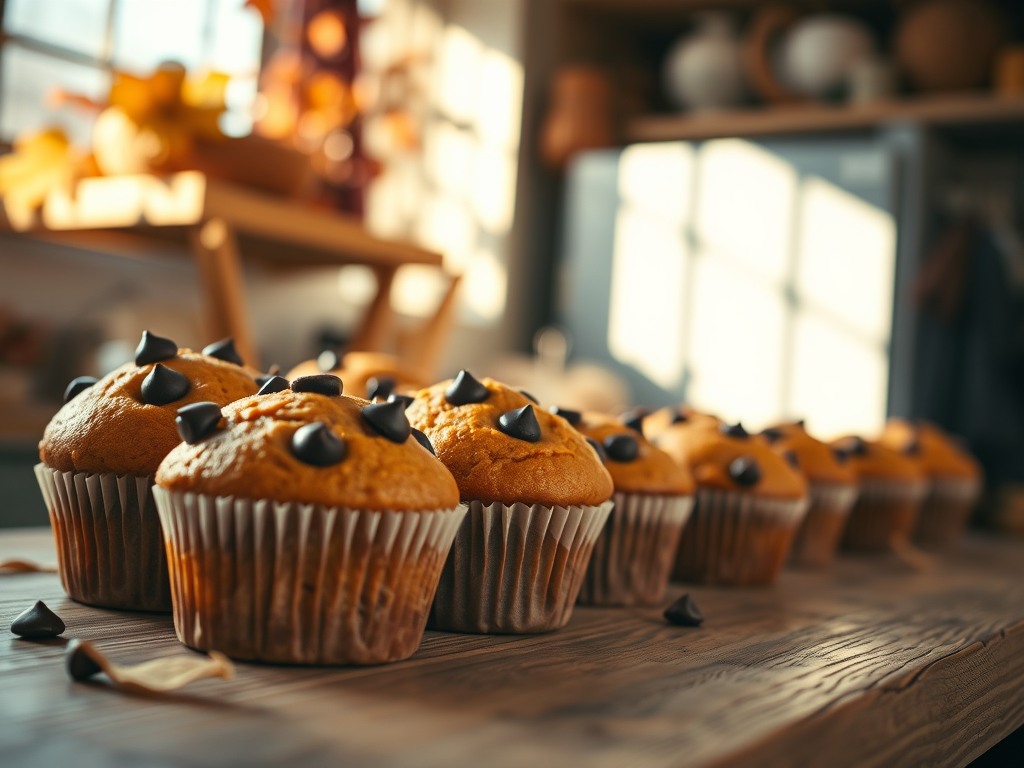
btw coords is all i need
(99, 454)
(749, 504)
(634, 555)
(832, 485)
(304, 526)
(892, 488)
(538, 498)
(656, 423)
(955, 479)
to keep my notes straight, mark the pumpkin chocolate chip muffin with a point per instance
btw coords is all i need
(538, 498)
(634, 555)
(99, 454)
(334, 521)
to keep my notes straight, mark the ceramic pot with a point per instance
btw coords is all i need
(818, 53)
(705, 70)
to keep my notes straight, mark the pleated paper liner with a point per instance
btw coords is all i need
(110, 550)
(299, 583)
(817, 539)
(634, 555)
(516, 569)
(945, 512)
(736, 538)
(885, 511)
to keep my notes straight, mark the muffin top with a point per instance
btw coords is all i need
(309, 444)
(817, 460)
(501, 447)
(366, 374)
(662, 419)
(728, 458)
(936, 451)
(635, 465)
(124, 423)
(874, 461)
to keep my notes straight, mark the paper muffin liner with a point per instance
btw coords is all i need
(295, 583)
(737, 538)
(818, 536)
(516, 568)
(634, 554)
(110, 549)
(945, 512)
(884, 514)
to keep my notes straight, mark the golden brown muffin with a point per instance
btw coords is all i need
(635, 465)
(109, 427)
(874, 461)
(932, 448)
(558, 468)
(729, 459)
(660, 420)
(255, 456)
(815, 459)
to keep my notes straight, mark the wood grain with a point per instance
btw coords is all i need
(870, 664)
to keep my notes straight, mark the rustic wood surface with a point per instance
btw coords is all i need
(871, 664)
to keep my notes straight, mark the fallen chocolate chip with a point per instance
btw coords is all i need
(597, 449)
(77, 387)
(79, 664)
(328, 361)
(321, 383)
(792, 459)
(745, 471)
(164, 385)
(634, 420)
(528, 396)
(521, 424)
(379, 386)
(197, 420)
(772, 435)
(621, 447)
(423, 440)
(317, 444)
(465, 390)
(153, 349)
(684, 612)
(37, 623)
(224, 350)
(405, 400)
(573, 417)
(733, 430)
(388, 420)
(273, 384)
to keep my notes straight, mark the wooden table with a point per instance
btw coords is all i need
(873, 664)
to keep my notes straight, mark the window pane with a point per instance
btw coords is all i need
(78, 25)
(237, 38)
(151, 32)
(29, 77)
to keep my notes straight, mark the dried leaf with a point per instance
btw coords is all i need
(15, 565)
(156, 676)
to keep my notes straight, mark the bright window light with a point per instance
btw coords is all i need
(500, 101)
(417, 290)
(656, 178)
(457, 75)
(494, 190)
(484, 287)
(78, 25)
(149, 33)
(450, 157)
(447, 225)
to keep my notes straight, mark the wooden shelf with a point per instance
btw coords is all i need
(869, 664)
(936, 110)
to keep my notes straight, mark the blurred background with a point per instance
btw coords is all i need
(769, 211)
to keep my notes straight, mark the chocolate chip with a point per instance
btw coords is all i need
(597, 449)
(621, 447)
(196, 420)
(772, 435)
(852, 446)
(273, 384)
(799, 423)
(164, 385)
(388, 420)
(634, 420)
(733, 430)
(153, 349)
(745, 471)
(79, 664)
(263, 378)
(37, 623)
(224, 350)
(77, 387)
(573, 417)
(528, 396)
(321, 383)
(792, 459)
(841, 456)
(317, 444)
(327, 361)
(680, 418)
(913, 448)
(465, 390)
(684, 612)
(423, 440)
(521, 424)
(379, 386)
(405, 400)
